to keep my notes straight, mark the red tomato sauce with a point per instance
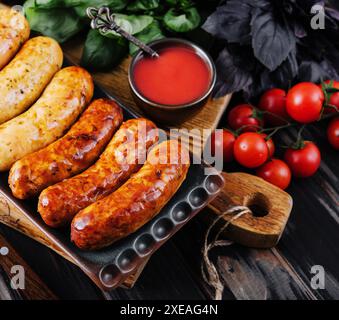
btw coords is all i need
(177, 76)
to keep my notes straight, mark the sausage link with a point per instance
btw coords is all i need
(71, 154)
(58, 204)
(48, 119)
(26, 76)
(14, 31)
(136, 202)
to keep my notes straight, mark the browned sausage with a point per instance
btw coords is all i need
(59, 203)
(71, 154)
(136, 202)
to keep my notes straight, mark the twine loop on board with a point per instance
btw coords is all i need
(208, 269)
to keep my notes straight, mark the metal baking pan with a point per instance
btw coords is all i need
(109, 267)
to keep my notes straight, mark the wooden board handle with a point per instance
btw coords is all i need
(271, 208)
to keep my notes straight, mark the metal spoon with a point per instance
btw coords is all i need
(103, 20)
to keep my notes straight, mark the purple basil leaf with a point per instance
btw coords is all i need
(308, 4)
(285, 49)
(230, 21)
(272, 40)
(287, 71)
(330, 71)
(332, 14)
(282, 77)
(331, 56)
(334, 4)
(230, 77)
(311, 71)
(299, 30)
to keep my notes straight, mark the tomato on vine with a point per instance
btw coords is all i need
(224, 142)
(250, 150)
(332, 104)
(333, 133)
(273, 102)
(303, 161)
(270, 145)
(276, 172)
(305, 102)
(246, 118)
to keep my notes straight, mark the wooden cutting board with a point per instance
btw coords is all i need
(271, 206)
(115, 83)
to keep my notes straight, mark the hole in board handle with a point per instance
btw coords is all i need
(259, 204)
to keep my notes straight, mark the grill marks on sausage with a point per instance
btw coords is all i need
(134, 203)
(59, 203)
(70, 155)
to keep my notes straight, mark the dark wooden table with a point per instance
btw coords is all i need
(311, 238)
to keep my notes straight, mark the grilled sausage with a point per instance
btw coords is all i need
(71, 154)
(59, 203)
(47, 120)
(14, 31)
(136, 202)
(26, 76)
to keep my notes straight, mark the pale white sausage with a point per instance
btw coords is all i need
(49, 118)
(27, 75)
(14, 31)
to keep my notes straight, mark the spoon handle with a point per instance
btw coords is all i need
(103, 20)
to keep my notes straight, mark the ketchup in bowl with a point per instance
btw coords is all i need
(178, 76)
(174, 86)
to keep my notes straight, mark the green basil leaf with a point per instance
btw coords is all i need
(180, 3)
(102, 53)
(49, 4)
(80, 6)
(131, 24)
(60, 24)
(172, 3)
(143, 5)
(182, 20)
(71, 3)
(151, 33)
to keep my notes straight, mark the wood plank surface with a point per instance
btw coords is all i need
(310, 238)
(34, 287)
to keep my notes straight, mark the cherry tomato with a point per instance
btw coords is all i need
(333, 133)
(270, 145)
(304, 102)
(274, 102)
(225, 142)
(250, 150)
(303, 162)
(244, 116)
(276, 172)
(334, 98)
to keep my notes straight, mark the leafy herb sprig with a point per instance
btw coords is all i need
(269, 43)
(148, 20)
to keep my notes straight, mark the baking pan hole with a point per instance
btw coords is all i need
(213, 183)
(127, 260)
(198, 197)
(144, 244)
(181, 212)
(163, 228)
(109, 275)
(259, 204)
